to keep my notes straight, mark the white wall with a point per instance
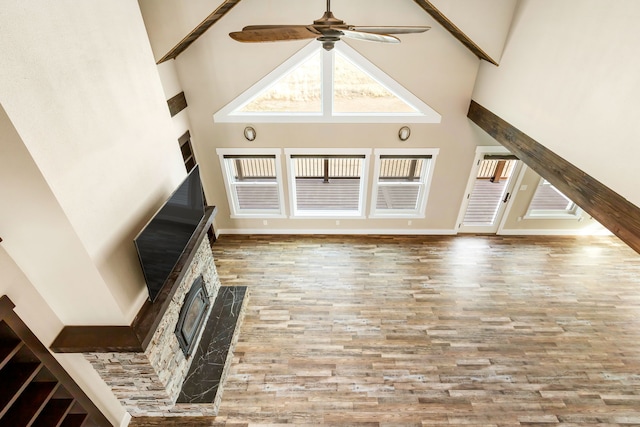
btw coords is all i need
(80, 86)
(569, 79)
(486, 22)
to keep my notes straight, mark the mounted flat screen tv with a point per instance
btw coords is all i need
(164, 238)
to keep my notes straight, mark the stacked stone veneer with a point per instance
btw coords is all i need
(149, 383)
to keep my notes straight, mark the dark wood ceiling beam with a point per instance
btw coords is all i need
(612, 210)
(454, 30)
(177, 103)
(214, 17)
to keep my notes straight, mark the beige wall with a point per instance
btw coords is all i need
(88, 154)
(486, 22)
(39, 237)
(516, 222)
(569, 79)
(82, 91)
(433, 66)
(215, 69)
(183, 20)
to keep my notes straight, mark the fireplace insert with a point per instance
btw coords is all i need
(192, 316)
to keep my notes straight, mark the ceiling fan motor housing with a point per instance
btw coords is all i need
(328, 19)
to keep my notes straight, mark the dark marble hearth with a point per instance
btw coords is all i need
(205, 375)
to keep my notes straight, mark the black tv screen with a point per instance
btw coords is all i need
(164, 238)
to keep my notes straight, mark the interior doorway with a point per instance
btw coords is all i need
(489, 190)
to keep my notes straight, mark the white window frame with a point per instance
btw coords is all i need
(424, 183)
(230, 113)
(338, 214)
(234, 207)
(573, 213)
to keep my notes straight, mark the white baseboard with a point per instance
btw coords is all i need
(548, 232)
(125, 420)
(377, 231)
(408, 232)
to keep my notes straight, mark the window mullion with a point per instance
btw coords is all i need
(328, 59)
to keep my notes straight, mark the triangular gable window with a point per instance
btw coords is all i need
(316, 85)
(299, 90)
(355, 91)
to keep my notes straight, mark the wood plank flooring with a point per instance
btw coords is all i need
(428, 331)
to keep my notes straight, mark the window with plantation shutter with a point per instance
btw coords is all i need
(549, 202)
(401, 182)
(327, 184)
(253, 182)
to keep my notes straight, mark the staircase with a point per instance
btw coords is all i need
(34, 388)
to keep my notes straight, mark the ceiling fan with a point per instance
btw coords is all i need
(327, 29)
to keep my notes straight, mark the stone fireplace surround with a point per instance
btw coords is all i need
(143, 363)
(149, 383)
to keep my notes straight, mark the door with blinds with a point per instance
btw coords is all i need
(489, 190)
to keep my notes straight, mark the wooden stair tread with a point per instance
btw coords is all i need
(29, 404)
(14, 378)
(53, 413)
(74, 420)
(35, 390)
(7, 349)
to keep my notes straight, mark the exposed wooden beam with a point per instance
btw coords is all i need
(177, 103)
(214, 17)
(612, 210)
(454, 30)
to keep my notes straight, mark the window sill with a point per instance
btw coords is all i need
(256, 216)
(415, 215)
(332, 215)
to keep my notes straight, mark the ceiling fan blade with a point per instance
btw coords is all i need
(274, 33)
(267, 27)
(359, 35)
(390, 30)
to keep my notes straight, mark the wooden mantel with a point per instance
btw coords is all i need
(135, 337)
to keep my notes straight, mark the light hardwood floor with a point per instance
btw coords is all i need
(427, 331)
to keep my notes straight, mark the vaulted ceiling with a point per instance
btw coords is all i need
(444, 12)
(481, 28)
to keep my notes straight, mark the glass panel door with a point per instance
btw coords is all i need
(488, 194)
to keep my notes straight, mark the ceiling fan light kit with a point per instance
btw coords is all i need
(327, 30)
